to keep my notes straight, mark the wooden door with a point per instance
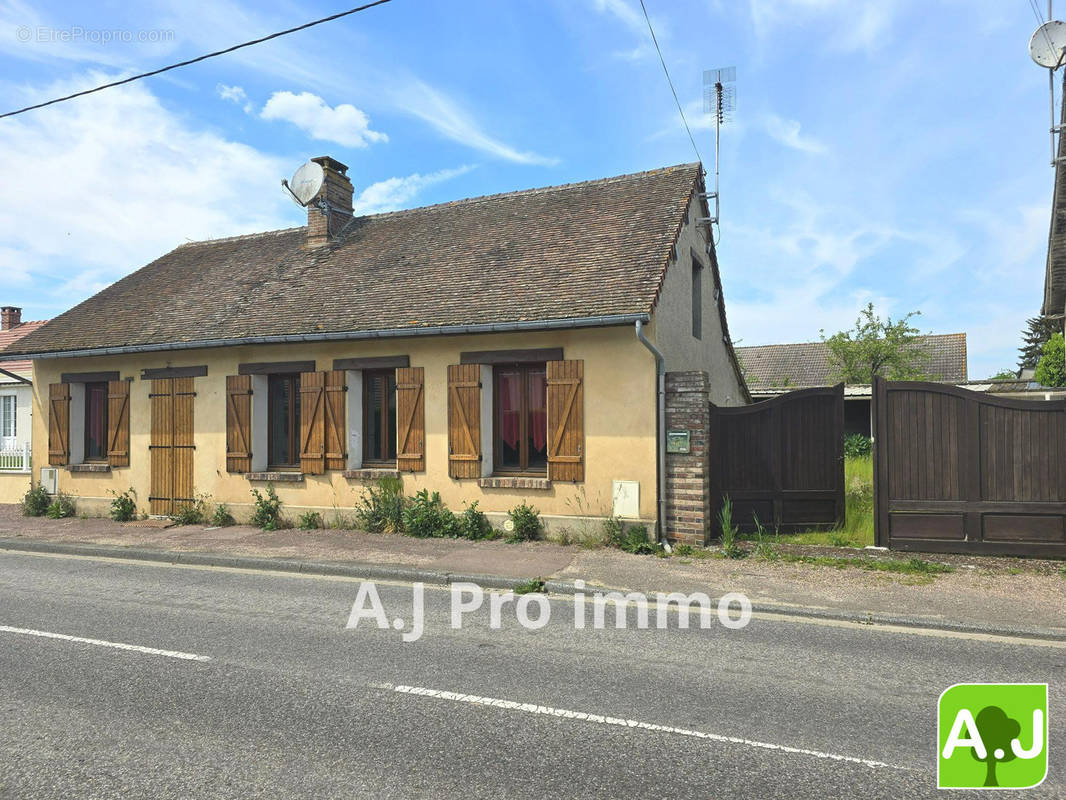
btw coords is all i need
(171, 445)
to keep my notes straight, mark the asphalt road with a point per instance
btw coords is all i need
(264, 693)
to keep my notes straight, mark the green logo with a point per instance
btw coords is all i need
(992, 735)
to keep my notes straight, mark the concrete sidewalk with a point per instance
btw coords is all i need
(993, 595)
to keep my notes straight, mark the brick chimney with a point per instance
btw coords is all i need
(10, 317)
(337, 192)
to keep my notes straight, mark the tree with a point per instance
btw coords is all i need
(1036, 334)
(1051, 370)
(891, 349)
(996, 730)
(1004, 375)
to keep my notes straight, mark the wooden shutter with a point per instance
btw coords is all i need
(464, 420)
(182, 446)
(312, 423)
(238, 423)
(410, 419)
(160, 447)
(118, 423)
(566, 421)
(335, 434)
(58, 424)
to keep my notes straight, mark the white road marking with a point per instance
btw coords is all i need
(101, 643)
(600, 719)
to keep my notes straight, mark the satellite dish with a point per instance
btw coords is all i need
(306, 182)
(1047, 44)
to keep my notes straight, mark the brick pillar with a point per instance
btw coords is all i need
(688, 481)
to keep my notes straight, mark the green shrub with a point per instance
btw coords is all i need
(425, 515)
(683, 550)
(267, 513)
(473, 524)
(729, 532)
(36, 501)
(63, 506)
(526, 521)
(532, 586)
(633, 539)
(222, 518)
(124, 506)
(309, 521)
(856, 445)
(193, 512)
(381, 507)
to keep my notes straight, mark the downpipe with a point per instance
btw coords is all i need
(660, 433)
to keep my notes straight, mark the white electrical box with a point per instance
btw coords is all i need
(626, 496)
(50, 479)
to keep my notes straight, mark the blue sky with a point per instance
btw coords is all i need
(893, 151)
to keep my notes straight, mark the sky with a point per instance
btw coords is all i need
(889, 151)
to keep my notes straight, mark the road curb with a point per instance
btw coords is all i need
(376, 571)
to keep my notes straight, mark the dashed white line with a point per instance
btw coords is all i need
(600, 719)
(152, 651)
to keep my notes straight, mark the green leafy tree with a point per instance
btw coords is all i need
(996, 730)
(892, 349)
(1004, 375)
(1051, 370)
(1036, 334)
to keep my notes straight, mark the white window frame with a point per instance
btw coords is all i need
(5, 398)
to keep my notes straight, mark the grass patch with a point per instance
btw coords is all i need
(858, 527)
(910, 566)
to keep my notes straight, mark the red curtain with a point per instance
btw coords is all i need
(509, 387)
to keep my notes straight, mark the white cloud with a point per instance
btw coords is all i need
(787, 132)
(394, 193)
(858, 25)
(232, 93)
(344, 124)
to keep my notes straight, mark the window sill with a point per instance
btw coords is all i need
(372, 473)
(516, 482)
(275, 477)
(89, 468)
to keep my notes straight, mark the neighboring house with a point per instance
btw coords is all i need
(775, 369)
(16, 399)
(488, 349)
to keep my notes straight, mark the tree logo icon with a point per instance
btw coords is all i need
(992, 736)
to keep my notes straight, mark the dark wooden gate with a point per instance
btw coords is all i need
(171, 445)
(964, 472)
(781, 461)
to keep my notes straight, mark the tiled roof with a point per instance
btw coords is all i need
(580, 250)
(8, 338)
(796, 366)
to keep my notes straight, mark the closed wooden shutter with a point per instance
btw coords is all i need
(161, 448)
(410, 419)
(238, 423)
(58, 424)
(335, 435)
(118, 423)
(566, 421)
(182, 444)
(312, 423)
(464, 420)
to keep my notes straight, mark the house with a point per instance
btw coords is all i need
(15, 401)
(775, 369)
(499, 349)
(1055, 274)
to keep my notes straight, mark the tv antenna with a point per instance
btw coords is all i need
(1047, 48)
(719, 99)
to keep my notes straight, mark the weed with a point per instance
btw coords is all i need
(857, 445)
(267, 513)
(526, 520)
(193, 512)
(730, 548)
(533, 586)
(840, 539)
(124, 506)
(473, 524)
(36, 501)
(425, 515)
(1062, 570)
(222, 518)
(381, 507)
(62, 507)
(684, 550)
(309, 521)
(912, 566)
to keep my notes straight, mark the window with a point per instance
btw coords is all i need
(379, 416)
(697, 299)
(520, 417)
(7, 416)
(283, 413)
(96, 422)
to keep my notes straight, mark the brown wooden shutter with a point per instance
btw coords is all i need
(566, 421)
(410, 419)
(118, 423)
(161, 447)
(58, 424)
(312, 423)
(464, 420)
(238, 423)
(335, 434)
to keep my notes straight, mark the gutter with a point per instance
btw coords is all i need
(341, 336)
(660, 431)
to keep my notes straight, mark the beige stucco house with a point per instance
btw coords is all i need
(498, 349)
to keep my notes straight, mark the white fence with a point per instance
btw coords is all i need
(15, 459)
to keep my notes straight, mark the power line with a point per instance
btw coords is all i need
(260, 40)
(669, 81)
